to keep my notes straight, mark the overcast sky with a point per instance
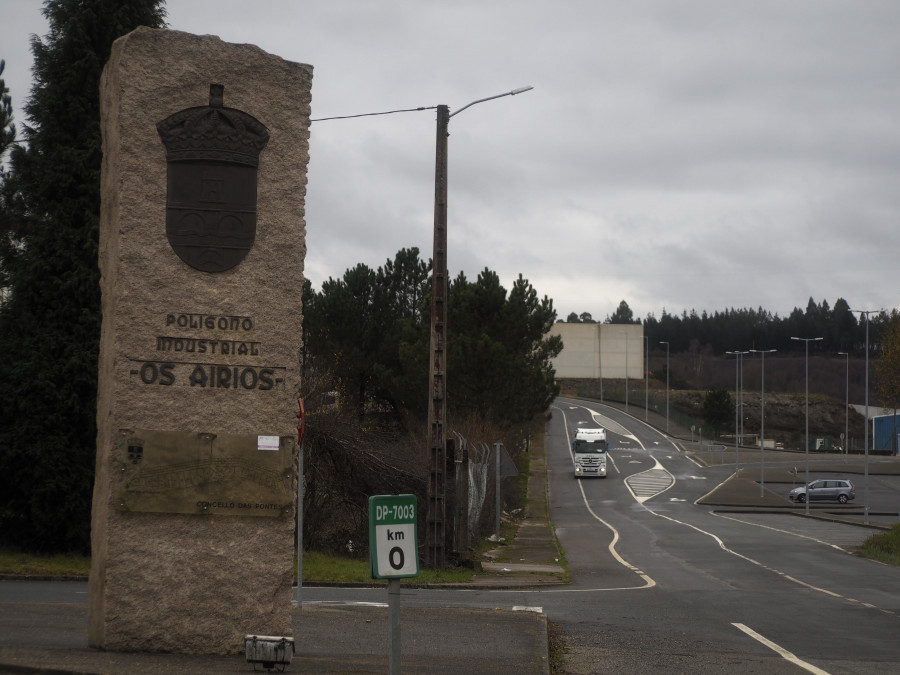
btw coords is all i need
(689, 154)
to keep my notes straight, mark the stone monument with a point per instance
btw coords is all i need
(202, 242)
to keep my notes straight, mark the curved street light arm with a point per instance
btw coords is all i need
(520, 90)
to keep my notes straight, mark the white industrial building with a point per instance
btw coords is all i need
(599, 350)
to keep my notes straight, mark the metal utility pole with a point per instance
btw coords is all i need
(437, 385)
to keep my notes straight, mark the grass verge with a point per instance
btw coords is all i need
(556, 648)
(317, 567)
(883, 547)
(25, 564)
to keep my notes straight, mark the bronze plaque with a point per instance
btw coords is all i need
(212, 155)
(205, 473)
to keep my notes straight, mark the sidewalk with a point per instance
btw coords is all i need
(52, 638)
(532, 558)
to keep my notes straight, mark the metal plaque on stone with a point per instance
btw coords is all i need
(205, 473)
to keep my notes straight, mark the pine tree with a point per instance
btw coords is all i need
(7, 126)
(7, 138)
(50, 321)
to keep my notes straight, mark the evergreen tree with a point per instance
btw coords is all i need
(498, 350)
(341, 327)
(50, 321)
(7, 126)
(7, 138)
(623, 314)
(371, 329)
(718, 409)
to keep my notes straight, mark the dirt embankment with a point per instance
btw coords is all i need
(785, 413)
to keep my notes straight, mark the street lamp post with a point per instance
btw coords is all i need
(600, 364)
(762, 422)
(738, 412)
(437, 382)
(846, 443)
(646, 378)
(667, 384)
(866, 312)
(626, 371)
(806, 491)
(742, 395)
(437, 385)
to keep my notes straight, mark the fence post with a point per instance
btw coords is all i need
(497, 447)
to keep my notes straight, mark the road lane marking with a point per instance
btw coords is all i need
(783, 575)
(781, 651)
(788, 532)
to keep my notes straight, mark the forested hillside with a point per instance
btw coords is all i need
(841, 328)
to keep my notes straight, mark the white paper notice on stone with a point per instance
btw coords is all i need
(268, 443)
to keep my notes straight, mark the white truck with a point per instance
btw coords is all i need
(589, 450)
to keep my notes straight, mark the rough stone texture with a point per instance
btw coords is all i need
(193, 583)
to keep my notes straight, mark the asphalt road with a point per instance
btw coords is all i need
(664, 585)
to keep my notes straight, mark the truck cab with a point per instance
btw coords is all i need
(589, 450)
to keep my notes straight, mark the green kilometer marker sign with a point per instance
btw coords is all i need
(393, 545)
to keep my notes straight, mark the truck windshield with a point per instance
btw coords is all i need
(590, 446)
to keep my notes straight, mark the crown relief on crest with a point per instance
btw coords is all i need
(213, 132)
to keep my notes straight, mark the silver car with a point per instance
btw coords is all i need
(840, 490)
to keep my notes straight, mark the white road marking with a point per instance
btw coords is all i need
(525, 608)
(649, 483)
(783, 575)
(341, 603)
(781, 651)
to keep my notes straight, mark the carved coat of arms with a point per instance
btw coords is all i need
(212, 155)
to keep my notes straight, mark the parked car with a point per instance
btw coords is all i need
(825, 490)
